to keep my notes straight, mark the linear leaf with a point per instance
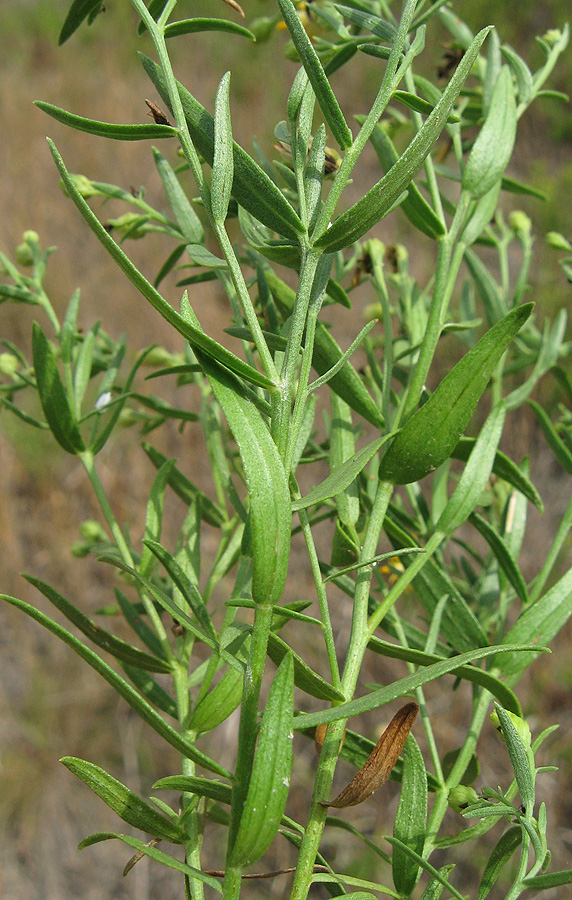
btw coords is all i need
(53, 397)
(551, 880)
(219, 703)
(188, 590)
(521, 759)
(504, 849)
(186, 490)
(493, 147)
(78, 11)
(502, 555)
(192, 784)
(410, 818)
(503, 467)
(304, 677)
(141, 707)
(399, 688)
(152, 690)
(185, 216)
(341, 477)
(127, 805)
(223, 162)
(553, 439)
(139, 132)
(201, 23)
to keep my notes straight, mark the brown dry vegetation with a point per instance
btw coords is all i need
(50, 704)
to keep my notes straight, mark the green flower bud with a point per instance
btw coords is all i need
(127, 225)
(28, 250)
(557, 241)
(461, 796)
(262, 28)
(79, 549)
(373, 311)
(9, 364)
(159, 356)
(521, 725)
(519, 222)
(552, 36)
(84, 186)
(91, 530)
(127, 418)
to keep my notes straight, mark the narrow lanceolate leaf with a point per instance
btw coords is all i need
(127, 805)
(435, 887)
(431, 434)
(502, 555)
(270, 779)
(53, 396)
(381, 197)
(202, 787)
(219, 703)
(540, 622)
(493, 147)
(477, 472)
(503, 467)
(553, 439)
(186, 490)
(342, 477)
(101, 638)
(139, 132)
(266, 481)
(316, 75)
(141, 707)
(251, 187)
(78, 11)
(154, 516)
(410, 818)
(505, 848)
(342, 448)
(223, 161)
(183, 583)
(185, 216)
(304, 677)
(520, 758)
(551, 880)
(377, 769)
(201, 23)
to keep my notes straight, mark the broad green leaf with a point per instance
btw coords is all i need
(304, 677)
(476, 473)
(185, 216)
(402, 687)
(347, 383)
(101, 638)
(553, 439)
(316, 75)
(53, 398)
(153, 853)
(154, 516)
(503, 467)
(141, 707)
(415, 207)
(183, 583)
(521, 759)
(223, 161)
(469, 673)
(252, 188)
(502, 555)
(186, 490)
(77, 13)
(270, 505)
(195, 336)
(503, 851)
(200, 23)
(342, 477)
(115, 132)
(410, 818)
(430, 435)
(540, 622)
(219, 703)
(493, 147)
(127, 805)
(374, 205)
(270, 778)
(551, 880)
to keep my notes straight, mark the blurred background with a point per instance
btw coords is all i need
(50, 703)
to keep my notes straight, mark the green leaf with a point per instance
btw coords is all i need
(53, 396)
(127, 805)
(493, 147)
(426, 866)
(433, 431)
(435, 887)
(199, 23)
(476, 473)
(520, 758)
(101, 638)
(504, 849)
(416, 103)
(540, 622)
(521, 72)
(270, 505)
(191, 784)
(152, 690)
(251, 187)
(469, 673)
(78, 11)
(219, 703)
(342, 448)
(304, 677)
(185, 216)
(551, 880)
(141, 707)
(410, 818)
(374, 205)
(270, 778)
(347, 383)
(114, 132)
(342, 477)
(553, 439)
(502, 555)
(367, 20)
(223, 162)
(158, 855)
(316, 75)
(402, 687)
(503, 467)
(183, 583)
(186, 490)
(154, 516)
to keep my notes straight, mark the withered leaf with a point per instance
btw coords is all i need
(157, 114)
(377, 768)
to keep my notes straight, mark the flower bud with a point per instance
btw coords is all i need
(519, 222)
(552, 36)
(462, 796)
(9, 364)
(90, 530)
(521, 725)
(262, 28)
(557, 241)
(79, 549)
(127, 225)
(27, 251)
(159, 356)
(84, 186)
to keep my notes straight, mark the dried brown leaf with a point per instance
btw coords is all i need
(157, 114)
(377, 768)
(319, 736)
(235, 5)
